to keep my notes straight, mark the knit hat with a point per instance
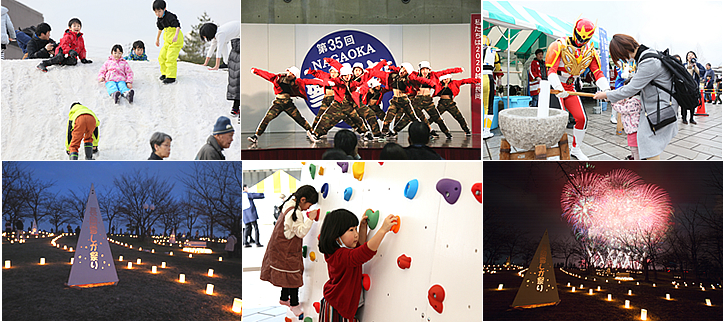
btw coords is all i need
(444, 77)
(223, 125)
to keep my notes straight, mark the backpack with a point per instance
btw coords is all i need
(683, 89)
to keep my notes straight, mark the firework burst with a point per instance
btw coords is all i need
(609, 212)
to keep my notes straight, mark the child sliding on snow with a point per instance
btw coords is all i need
(283, 265)
(117, 75)
(345, 251)
(138, 53)
(169, 25)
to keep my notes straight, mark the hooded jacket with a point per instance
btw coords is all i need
(211, 150)
(72, 41)
(116, 70)
(7, 27)
(454, 85)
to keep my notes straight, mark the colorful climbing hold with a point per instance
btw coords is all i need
(395, 228)
(436, 297)
(312, 170)
(411, 189)
(312, 256)
(358, 170)
(321, 171)
(317, 306)
(325, 190)
(404, 262)
(344, 166)
(287, 319)
(381, 163)
(314, 215)
(347, 193)
(477, 191)
(303, 163)
(303, 251)
(372, 218)
(366, 282)
(308, 319)
(450, 189)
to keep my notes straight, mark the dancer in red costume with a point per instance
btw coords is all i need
(566, 59)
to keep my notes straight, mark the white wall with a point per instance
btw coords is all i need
(443, 240)
(275, 47)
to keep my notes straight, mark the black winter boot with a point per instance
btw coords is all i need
(89, 151)
(169, 80)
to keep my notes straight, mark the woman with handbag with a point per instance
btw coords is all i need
(655, 130)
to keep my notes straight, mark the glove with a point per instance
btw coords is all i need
(331, 83)
(306, 71)
(86, 61)
(72, 54)
(95, 149)
(556, 85)
(603, 84)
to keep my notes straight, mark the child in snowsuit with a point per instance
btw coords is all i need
(169, 25)
(82, 126)
(283, 264)
(345, 251)
(70, 48)
(117, 75)
(138, 53)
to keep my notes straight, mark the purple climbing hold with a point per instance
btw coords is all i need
(450, 189)
(344, 166)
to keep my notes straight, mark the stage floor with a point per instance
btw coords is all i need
(295, 145)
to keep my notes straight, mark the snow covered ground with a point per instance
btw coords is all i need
(35, 108)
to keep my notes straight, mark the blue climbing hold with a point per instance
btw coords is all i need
(411, 189)
(325, 190)
(347, 193)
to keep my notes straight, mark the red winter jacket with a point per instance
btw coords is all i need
(434, 76)
(299, 90)
(454, 85)
(72, 41)
(344, 286)
(412, 85)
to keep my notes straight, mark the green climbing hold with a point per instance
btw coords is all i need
(303, 251)
(312, 170)
(308, 319)
(372, 218)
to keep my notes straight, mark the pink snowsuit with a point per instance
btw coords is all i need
(116, 73)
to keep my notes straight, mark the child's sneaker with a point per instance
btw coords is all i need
(169, 80)
(235, 112)
(129, 96)
(116, 96)
(286, 303)
(163, 77)
(42, 67)
(253, 139)
(297, 310)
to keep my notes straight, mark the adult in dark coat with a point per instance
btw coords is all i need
(233, 91)
(41, 45)
(250, 216)
(220, 139)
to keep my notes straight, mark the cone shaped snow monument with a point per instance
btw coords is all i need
(93, 265)
(35, 228)
(172, 239)
(539, 287)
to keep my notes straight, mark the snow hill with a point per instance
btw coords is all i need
(35, 108)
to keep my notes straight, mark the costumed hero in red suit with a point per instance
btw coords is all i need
(566, 59)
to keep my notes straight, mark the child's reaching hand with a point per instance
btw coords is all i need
(389, 221)
(157, 43)
(364, 221)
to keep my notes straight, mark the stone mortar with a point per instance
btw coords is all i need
(523, 129)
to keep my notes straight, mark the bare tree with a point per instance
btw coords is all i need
(75, 201)
(109, 203)
(691, 234)
(36, 198)
(15, 178)
(216, 192)
(564, 248)
(136, 190)
(57, 213)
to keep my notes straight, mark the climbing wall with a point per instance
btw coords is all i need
(443, 240)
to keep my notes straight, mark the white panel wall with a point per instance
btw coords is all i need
(443, 240)
(274, 47)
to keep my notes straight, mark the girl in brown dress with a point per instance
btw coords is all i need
(283, 265)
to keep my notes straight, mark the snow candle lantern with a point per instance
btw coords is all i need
(138, 261)
(500, 286)
(163, 264)
(42, 261)
(71, 260)
(210, 272)
(667, 296)
(120, 258)
(130, 265)
(630, 292)
(220, 258)
(627, 303)
(154, 269)
(236, 305)
(182, 278)
(598, 288)
(573, 289)
(643, 314)
(707, 302)
(209, 289)
(610, 297)
(7, 264)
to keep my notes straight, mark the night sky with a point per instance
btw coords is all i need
(75, 175)
(527, 194)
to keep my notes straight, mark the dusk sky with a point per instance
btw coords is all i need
(527, 194)
(74, 175)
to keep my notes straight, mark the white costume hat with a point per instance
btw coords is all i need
(424, 64)
(407, 66)
(294, 70)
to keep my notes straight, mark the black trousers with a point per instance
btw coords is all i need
(291, 295)
(247, 232)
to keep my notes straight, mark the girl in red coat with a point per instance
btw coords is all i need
(282, 265)
(345, 251)
(70, 48)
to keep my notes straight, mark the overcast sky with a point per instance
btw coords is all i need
(681, 25)
(106, 23)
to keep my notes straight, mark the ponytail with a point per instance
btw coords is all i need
(307, 191)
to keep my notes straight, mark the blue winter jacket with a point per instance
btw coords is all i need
(250, 214)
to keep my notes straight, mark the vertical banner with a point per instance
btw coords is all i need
(604, 52)
(476, 106)
(93, 265)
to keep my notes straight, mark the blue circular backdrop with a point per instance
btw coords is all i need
(345, 46)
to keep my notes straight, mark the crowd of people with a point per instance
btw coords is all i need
(354, 94)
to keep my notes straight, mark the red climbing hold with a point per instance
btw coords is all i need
(314, 215)
(287, 319)
(404, 262)
(366, 281)
(436, 297)
(317, 307)
(477, 191)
